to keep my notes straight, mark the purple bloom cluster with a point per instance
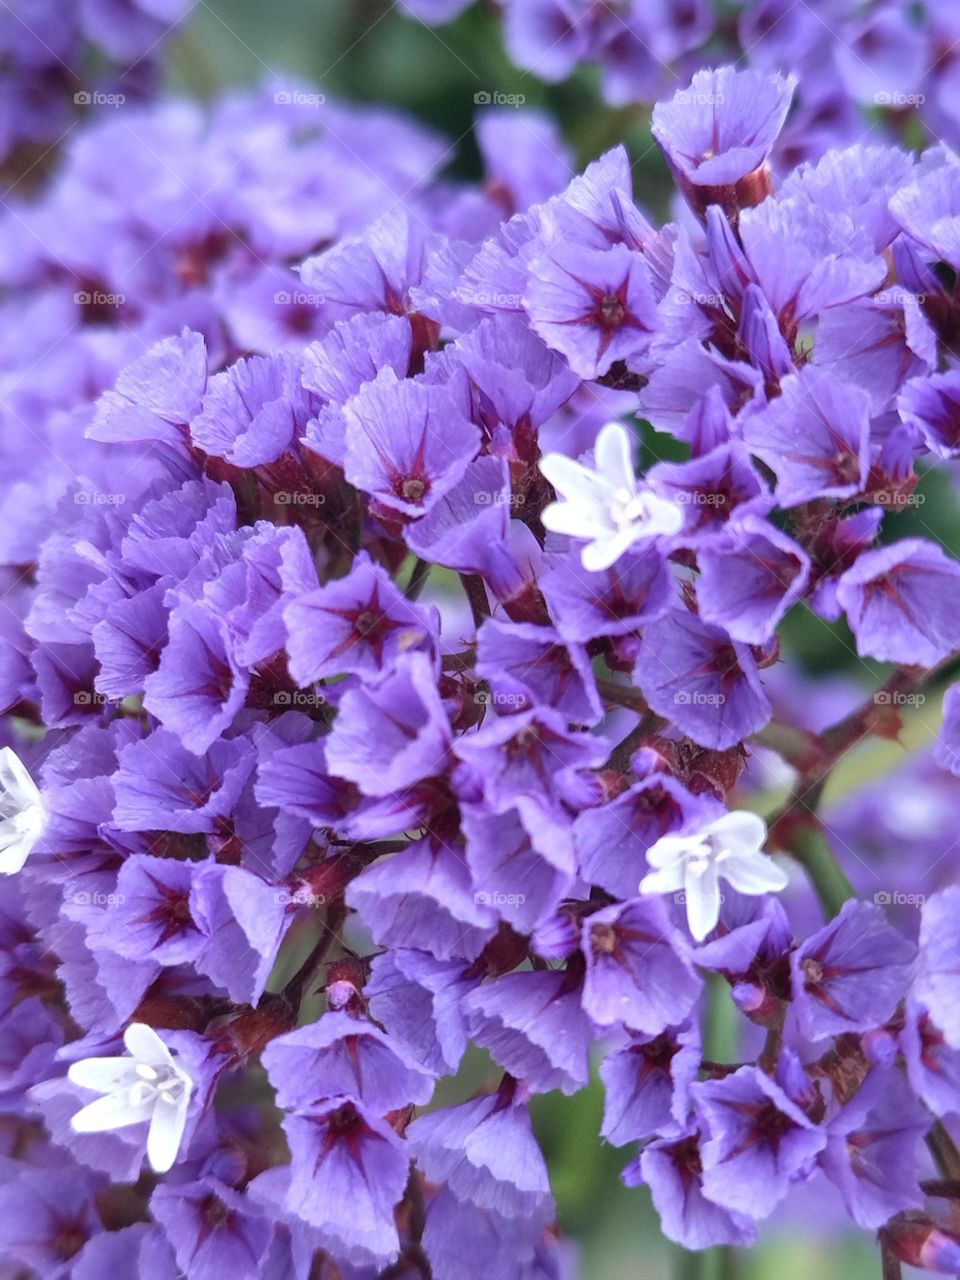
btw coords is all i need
(345, 651)
(61, 58)
(895, 64)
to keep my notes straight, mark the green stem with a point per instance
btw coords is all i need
(811, 849)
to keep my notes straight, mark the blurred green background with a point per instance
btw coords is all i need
(366, 51)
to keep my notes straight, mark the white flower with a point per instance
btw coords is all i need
(728, 848)
(22, 815)
(147, 1086)
(605, 506)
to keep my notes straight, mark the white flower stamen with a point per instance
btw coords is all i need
(605, 506)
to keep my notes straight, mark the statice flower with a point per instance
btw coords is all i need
(148, 1086)
(413, 593)
(693, 866)
(605, 505)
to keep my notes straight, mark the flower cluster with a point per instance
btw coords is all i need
(894, 64)
(61, 58)
(347, 650)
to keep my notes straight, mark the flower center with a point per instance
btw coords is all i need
(611, 311)
(156, 1084)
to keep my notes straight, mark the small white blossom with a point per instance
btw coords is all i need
(605, 506)
(728, 848)
(22, 815)
(148, 1086)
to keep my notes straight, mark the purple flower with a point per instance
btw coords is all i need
(198, 687)
(932, 405)
(484, 1151)
(351, 354)
(750, 575)
(46, 1217)
(156, 396)
(360, 623)
(213, 1229)
(647, 1085)
(673, 1170)
(526, 754)
(518, 656)
(161, 786)
(760, 1139)
(929, 211)
(424, 896)
(612, 839)
(596, 307)
(244, 921)
(933, 1067)
(532, 1024)
(871, 1149)
(373, 272)
(947, 751)
(348, 1170)
(151, 916)
(341, 1055)
(814, 436)
(418, 999)
(463, 1241)
(254, 412)
(396, 450)
(719, 132)
(638, 968)
(515, 383)
(720, 484)
(611, 602)
(898, 601)
(393, 734)
(936, 983)
(851, 974)
(521, 861)
(700, 679)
